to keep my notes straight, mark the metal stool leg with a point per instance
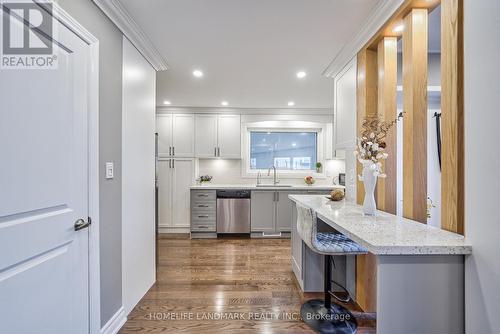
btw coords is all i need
(325, 316)
(328, 281)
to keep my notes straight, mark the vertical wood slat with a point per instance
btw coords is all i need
(366, 101)
(366, 105)
(415, 118)
(452, 116)
(387, 52)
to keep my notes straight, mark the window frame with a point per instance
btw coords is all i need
(283, 126)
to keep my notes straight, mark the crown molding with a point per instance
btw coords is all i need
(244, 111)
(122, 19)
(383, 12)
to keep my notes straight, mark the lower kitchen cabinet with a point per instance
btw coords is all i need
(175, 176)
(203, 214)
(271, 213)
(284, 211)
(263, 212)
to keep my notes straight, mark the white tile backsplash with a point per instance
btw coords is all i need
(229, 172)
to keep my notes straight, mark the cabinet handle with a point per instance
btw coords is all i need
(277, 196)
(203, 216)
(203, 206)
(169, 163)
(218, 151)
(170, 150)
(202, 226)
(202, 195)
(173, 151)
(173, 163)
(215, 151)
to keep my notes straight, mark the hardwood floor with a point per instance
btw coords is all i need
(248, 282)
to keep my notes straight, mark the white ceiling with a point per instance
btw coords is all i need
(249, 50)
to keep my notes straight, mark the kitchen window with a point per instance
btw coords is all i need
(286, 150)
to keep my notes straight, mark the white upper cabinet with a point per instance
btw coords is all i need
(218, 136)
(229, 136)
(175, 135)
(164, 130)
(206, 136)
(183, 135)
(344, 135)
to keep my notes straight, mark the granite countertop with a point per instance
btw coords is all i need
(384, 234)
(270, 187)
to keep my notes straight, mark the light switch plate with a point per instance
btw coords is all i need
(109, 170)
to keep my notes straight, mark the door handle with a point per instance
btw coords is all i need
(80, 224)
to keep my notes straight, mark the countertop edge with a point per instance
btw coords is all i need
(389, 250)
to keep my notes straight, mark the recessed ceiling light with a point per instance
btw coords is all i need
(294, 144)
(301, 74)
(224, 103)
(167, 102)
(291, 104)
(198, 73)
(399, 28)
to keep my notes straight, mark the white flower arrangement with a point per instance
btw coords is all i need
(370, 149)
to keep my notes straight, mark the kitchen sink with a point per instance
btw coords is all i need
(274, 185)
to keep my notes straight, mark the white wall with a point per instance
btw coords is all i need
(482, 163)
(138, 167)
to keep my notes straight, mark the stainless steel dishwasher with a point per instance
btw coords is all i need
(233, 211)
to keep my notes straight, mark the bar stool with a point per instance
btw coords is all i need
(323, 315)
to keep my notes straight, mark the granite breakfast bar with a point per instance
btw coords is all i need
(419, 269)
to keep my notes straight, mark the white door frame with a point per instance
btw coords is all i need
(93, 169)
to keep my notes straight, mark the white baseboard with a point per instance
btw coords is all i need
(162, 229)
(115, 323)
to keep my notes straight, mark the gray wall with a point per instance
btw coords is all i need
(110, 147)
(482, 161)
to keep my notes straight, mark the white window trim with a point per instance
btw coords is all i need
(283, 126)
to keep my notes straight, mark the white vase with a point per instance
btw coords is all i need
(369, 181)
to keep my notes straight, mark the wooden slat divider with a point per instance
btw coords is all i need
(387, 110)
(415, 38)
(366, 105)
(366, 100)
(452, 116)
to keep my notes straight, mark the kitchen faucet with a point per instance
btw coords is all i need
(275, 181)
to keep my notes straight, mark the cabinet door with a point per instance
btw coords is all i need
(283, 211)
(296, 245)
(164, 193)
(183, 135)
(229, 136)
(205, 136)
(263, 211)
(182, 179)
(345, 108)
(164, 130)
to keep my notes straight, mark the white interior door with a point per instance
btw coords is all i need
(182, 179)
(164, 130)
(183, 135)
(229, 136)
(43, 192)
